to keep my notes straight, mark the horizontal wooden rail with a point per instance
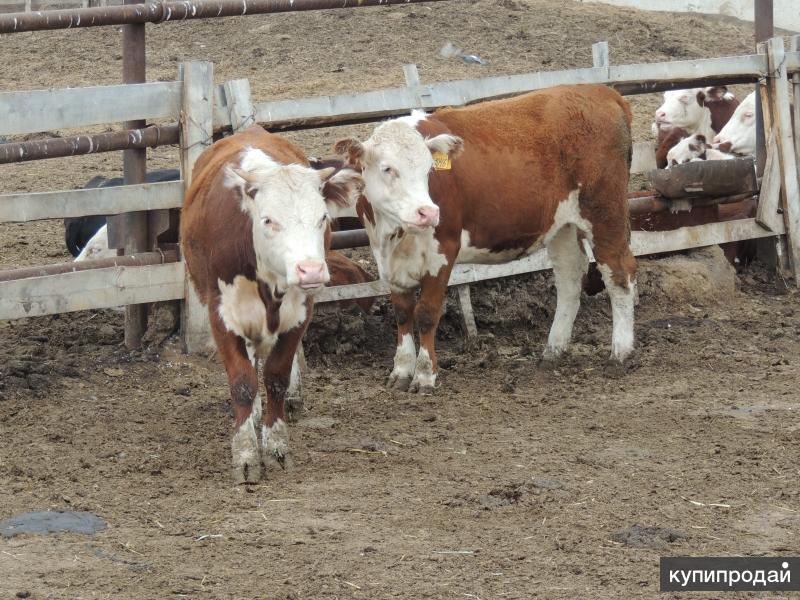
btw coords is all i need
(43, 110)
(158, 12)
(96, 201)
(642, 243)
(147, 137)
(374, 105)
(97, 288)
(134, 260)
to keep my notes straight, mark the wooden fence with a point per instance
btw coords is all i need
(203, 108)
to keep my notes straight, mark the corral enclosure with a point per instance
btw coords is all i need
(510, 482)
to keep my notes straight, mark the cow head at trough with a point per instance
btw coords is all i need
(739, 134)
(289, 208)
(689, 109)
(395, 162)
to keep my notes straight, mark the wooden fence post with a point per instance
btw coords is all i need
(240, 105)
(196, 136)
(780, 113)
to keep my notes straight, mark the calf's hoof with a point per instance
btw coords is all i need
(246, 463)
(398, 382)
(275, 446)
(425, 389)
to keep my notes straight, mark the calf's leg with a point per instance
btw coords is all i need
(404, 366)
(243, 382)
(277, 380)
(427, 314)
(569, 267)
(618, 268)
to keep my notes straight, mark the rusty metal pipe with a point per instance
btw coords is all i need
(132, 260)
(158, 12)
(650, 87)
(148, 137)
(354, 238)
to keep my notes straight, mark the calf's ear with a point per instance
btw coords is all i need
(352, 148)
(341, 189)
(452, 145)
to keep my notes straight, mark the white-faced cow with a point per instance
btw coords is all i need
(703, 111)
(254, 229)
(739, 134)
(490, 183)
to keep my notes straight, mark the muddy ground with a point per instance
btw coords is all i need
(512, 481)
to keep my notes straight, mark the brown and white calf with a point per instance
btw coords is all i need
(703, 111)
(694, 148)
(490, 183)
(254, 229)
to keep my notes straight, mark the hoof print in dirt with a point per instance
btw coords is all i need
(641, 536)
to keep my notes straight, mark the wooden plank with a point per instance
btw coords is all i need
(600, 57)
(796, 95)
(196, 136)
(780, 110)
(394, 101)
(43, 110)
(240, 107)
(411, 75)
(769, 199)
(642, 243)
(644, 157)
(464, 300)
(97, 201)
(83, 290)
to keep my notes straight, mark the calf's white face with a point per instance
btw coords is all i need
(688, 149)
(290, 216)
(739, 134)
(395, 162)
(682, 108)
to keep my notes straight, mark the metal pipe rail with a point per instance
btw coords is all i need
(159, 12)
(133, 260)
(126, 139)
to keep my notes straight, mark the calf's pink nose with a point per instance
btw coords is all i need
(661, 114)
(310, 272)
(428, 216)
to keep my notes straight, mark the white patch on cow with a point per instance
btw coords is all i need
(404, 358)
(470, 254)
(295, 390)
(622, 303)
(257, 410)
(413, 119)
(740, 130)
(569, 267)
(714, 154)
(275, 440)
(243, 312)
(97, 247)
(244, 452)
(403, 257)
(568, 212)
(424, 377)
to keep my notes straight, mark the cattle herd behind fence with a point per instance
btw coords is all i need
(203, 109)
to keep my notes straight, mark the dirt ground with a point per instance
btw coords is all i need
(512, 481)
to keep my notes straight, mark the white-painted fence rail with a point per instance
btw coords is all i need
(41, 110)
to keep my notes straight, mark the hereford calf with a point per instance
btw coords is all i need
(490, 183)
(739, 134)
(694, 148)
(254, 228)
(704, 111)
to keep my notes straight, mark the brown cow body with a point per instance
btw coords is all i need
(253, 231)
(548, 168)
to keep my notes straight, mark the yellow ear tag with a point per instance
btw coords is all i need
(441, 161)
